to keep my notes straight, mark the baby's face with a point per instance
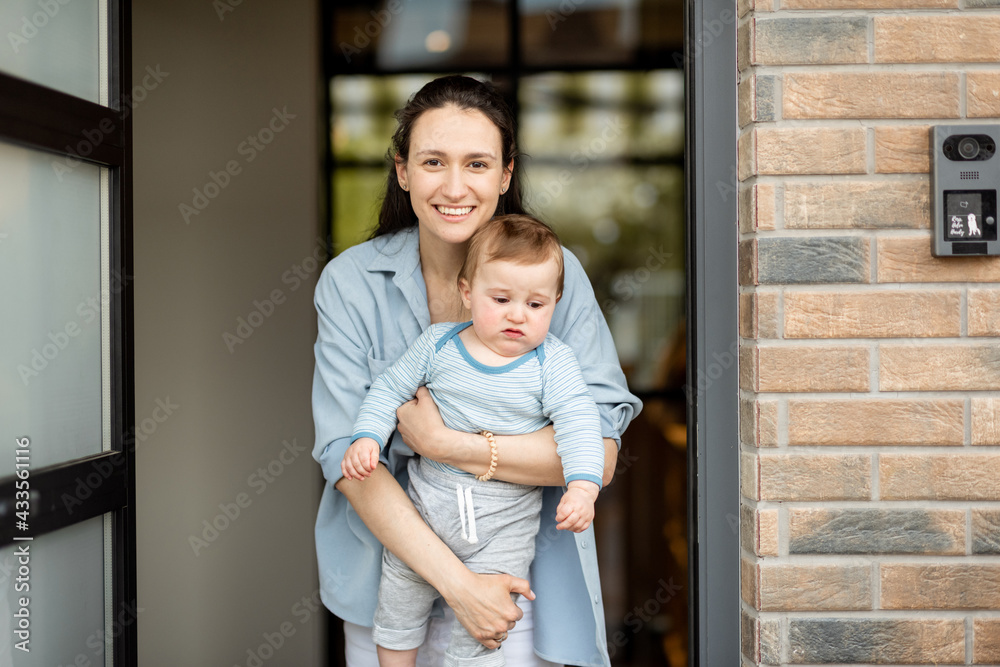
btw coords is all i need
(512, 304)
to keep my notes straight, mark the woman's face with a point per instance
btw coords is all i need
(454, 172)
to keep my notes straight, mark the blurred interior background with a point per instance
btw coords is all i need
(598, 89)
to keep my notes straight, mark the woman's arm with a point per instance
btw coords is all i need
(530, 458)
(481, 602)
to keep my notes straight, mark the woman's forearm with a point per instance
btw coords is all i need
(530, 458)
(523, 459)
(389, 513)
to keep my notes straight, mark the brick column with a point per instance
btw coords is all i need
(869, 370)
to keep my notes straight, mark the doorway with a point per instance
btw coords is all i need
(598, 89)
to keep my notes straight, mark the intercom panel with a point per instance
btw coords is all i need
(964, 190)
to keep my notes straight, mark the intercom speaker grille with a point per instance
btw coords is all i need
(968, 175)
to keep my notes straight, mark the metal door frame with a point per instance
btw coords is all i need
(713, 331)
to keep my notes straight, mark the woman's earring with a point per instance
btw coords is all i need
(403, 186)
(503, 191)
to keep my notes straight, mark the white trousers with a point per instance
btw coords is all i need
(517, 648)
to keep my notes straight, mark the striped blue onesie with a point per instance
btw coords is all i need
(542, 386)
(490, 526)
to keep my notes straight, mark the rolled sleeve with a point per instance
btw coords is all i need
(330, 458)
(341, 378)
(579, 323)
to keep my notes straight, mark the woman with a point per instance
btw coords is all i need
(454, 166)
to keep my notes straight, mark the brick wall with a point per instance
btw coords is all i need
(869, 370)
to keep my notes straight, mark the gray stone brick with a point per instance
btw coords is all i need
(876, 641)
(806, 41)
(760, 639)
(986, 531)
(765, 92)
(836, 259)
(876, 531)
(770, 642)
(748, 636)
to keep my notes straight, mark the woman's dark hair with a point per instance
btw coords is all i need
(465, 93)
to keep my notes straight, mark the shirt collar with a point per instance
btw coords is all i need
(399, 254)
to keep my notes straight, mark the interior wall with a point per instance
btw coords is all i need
(227, 154)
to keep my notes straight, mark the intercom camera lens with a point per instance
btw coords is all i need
(968, 147)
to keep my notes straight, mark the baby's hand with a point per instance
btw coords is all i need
(360, 459)
(576, 509)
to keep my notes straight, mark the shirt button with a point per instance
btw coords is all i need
(583, 544)
(597, 599)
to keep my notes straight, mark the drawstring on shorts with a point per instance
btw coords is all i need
(465, 506)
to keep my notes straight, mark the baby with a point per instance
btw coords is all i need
(502, 373)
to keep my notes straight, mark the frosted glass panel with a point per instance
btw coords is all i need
(51, 339)
(64, 587)
(56, 43)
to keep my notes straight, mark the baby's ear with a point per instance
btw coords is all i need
(465, 289)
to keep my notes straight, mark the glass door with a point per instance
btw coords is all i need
(67, 540)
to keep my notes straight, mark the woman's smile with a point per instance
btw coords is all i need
(453, 212)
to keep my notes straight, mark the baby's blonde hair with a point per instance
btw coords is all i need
(517, 238)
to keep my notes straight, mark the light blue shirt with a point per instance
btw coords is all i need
(371, 304)
(541, 386)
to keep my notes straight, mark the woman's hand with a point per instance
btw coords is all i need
(423, 430)
(483, 605)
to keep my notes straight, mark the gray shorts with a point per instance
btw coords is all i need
(497, 535)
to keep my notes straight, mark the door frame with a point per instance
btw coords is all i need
(712, 188)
